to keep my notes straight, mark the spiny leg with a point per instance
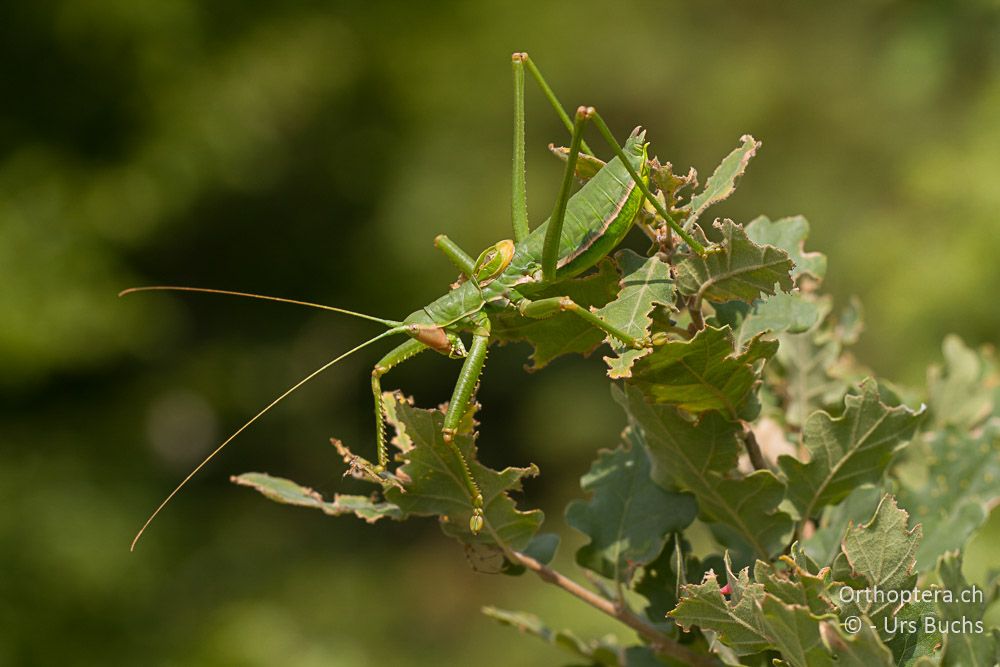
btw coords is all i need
(543, 308)
(519, 200)
(609, 138)
(396, 356)
(519, 209)
(468, 378)
(462, 261)
(553, 233)
(550, 96)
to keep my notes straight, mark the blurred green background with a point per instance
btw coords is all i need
(313, 150)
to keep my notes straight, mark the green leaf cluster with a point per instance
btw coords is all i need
(824, 616)
(427, 481)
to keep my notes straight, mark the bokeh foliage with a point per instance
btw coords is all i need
(313, 151)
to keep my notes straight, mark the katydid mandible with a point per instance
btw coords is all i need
(583, 229)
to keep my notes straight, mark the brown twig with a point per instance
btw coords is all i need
(659, 642)
(753, 449)
(694, 311)
(601, 588)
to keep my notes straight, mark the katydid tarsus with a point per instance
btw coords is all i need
(583, 229)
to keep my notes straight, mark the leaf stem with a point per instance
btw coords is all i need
(694, 310)
(659, 642)
(753, 448)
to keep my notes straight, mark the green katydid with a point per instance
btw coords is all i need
(583, 229)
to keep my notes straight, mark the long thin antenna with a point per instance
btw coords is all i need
(205, 290)
(390, 332)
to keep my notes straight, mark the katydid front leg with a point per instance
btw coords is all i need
(468, 378)
(396, 356)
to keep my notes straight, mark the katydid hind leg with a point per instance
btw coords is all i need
(393, 358)
(609, 138)
(551, 97)
(519, 199)
(553, 233)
